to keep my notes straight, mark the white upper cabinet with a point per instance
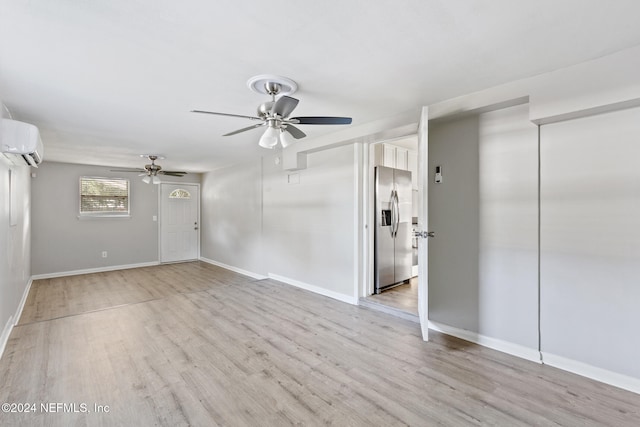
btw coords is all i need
(388, 156)
(399, 158)
(402, 158)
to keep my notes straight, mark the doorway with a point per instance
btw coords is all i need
(397, 156)
(179, 222)
(420, 141)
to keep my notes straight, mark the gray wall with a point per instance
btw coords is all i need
(296, 225)
(483, 262)
(309, 231)
(232, 216)
(63, 243)
(453, 215)
(590, 247)
(508, 250)
(15, 243)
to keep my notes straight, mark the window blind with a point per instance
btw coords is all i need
(104, 196)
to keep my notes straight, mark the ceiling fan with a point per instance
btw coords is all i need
(274, 114)
(151, 171)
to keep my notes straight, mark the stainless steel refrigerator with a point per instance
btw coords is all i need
(393, 251)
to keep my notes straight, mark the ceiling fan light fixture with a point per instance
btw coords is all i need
(156, 180)
(270, 138)
(146, 179)
(286, 139)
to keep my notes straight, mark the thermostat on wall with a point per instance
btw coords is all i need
(438, 177)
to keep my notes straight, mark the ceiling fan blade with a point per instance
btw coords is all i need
(284, 106)
(172, 173)
(128, 170)
(244, 129)
(226, 114)
(295, 132)
(322, 120)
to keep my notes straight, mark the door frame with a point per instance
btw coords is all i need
(197, 184)
(367, 216)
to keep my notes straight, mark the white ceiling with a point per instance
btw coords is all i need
(106, 81)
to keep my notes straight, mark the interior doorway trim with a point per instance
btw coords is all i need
(367, 217)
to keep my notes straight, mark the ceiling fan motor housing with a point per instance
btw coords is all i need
(153, 168)
(265, 108)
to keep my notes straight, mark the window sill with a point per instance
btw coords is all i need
(93, 217)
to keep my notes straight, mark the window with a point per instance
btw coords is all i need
(104, 196)
(179, 193)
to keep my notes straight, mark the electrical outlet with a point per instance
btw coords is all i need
(104, 254)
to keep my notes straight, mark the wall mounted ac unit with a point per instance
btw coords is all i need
(21, 143)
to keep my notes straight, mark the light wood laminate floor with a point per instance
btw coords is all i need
(194, 344)
(402, 297)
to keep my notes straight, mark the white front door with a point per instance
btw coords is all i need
(179, 222)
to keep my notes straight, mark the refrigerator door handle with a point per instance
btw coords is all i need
(396, 216)
(393, 213)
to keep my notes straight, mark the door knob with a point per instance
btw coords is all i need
(424, 234)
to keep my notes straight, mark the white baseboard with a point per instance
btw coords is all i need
(608, 377)
(4, 338)
(23, 300)
(13, 320)
(316, 289)
(485, 341)
(235, 269)
(94, 270)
